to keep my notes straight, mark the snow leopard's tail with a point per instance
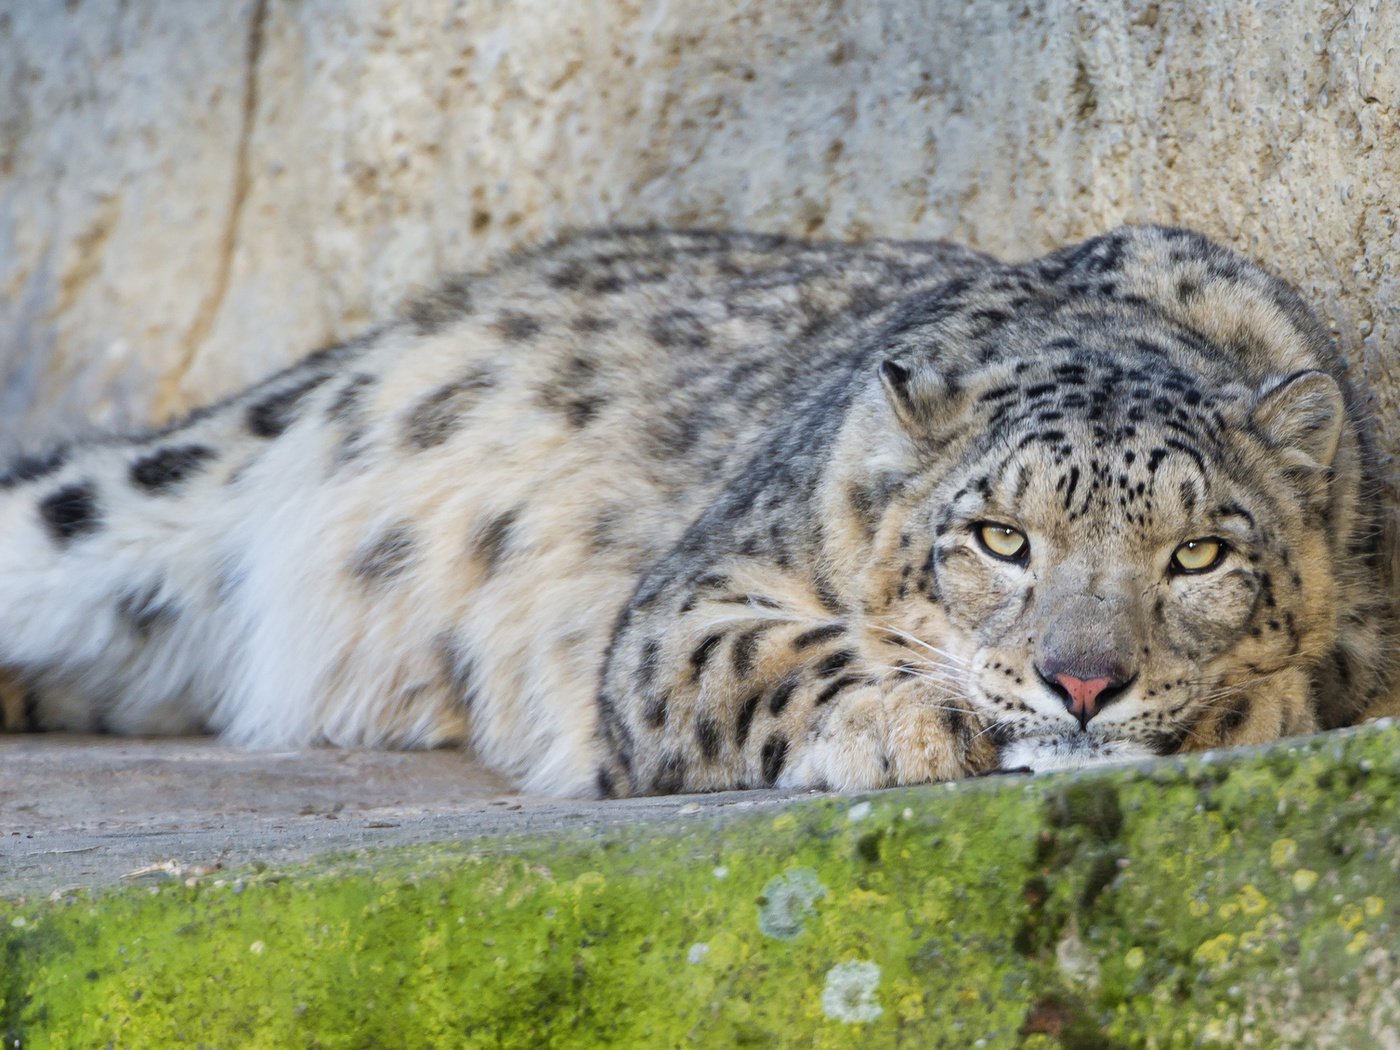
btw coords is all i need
(120, 560)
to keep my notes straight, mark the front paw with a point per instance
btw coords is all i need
(879, 737)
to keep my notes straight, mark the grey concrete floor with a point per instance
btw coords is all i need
(80, 811)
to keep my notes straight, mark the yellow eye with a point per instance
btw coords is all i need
(1198, 555)
(1002, 541)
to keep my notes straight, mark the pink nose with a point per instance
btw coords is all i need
(1083, 694)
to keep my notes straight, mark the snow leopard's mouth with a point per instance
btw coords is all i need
(1046, 752)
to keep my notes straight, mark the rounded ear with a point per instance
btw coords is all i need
(914, 389)
(1302, 415)
(897, 380)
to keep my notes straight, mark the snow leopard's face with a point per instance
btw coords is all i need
(1126, 573)
(1126, 555)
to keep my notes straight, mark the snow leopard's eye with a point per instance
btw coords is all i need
(1199, 555)
(1003, 541)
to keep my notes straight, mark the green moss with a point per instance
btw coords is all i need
(1183, 904)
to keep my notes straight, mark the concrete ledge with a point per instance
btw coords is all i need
(1240, 900)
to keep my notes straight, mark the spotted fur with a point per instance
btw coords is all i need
(656, 512)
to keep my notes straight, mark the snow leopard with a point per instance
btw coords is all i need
(651, 511)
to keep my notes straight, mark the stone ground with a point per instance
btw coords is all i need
(1230, 899)
(81, 811)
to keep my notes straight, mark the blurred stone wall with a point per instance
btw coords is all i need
(194, 193)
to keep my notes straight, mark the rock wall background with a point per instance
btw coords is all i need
(194, 193)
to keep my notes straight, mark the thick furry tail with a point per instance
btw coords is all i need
(116, 559)
(103, 578)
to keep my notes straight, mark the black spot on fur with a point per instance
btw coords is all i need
(275, 413)
(782, 694)
(347, 411)
(1235, 714)
(458, 670)
(517, 327)
(998, 393)
(448, 303)
(774, 756)
(30, 721)
(576, 392)
(590, 324)
(654, 713)
(440, 414)
(1169, 743)
(681, 330)
(646, 665)
(349, 400)
(841, 684)
(32, 468)
(605, 786)
(955, 721)
(742, 653)
(1189, 450)
(166, 468)
(711, 581)
(818, 634)
(568, 277)
(868, 501)
(707, 736)
(492, 543)
(143, 610)
(605, 284)
(826, 594)
(385, 557)
(835, 662)
(670, 778)
(71, 512)
(702, 653)
(745, 718)
(1072, 484)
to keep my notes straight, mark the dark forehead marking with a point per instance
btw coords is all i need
(1189, 450)
(1023, 482)
(999, 392)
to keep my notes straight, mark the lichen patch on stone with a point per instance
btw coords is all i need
(788, 901)
(850, 992)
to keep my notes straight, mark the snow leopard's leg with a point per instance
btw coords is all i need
(731, 680)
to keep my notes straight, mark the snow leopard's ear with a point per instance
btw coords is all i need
(1302, 416)
(917, 391)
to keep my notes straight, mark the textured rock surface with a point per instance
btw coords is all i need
(192, 194)
(83, 812)
(1252, 902)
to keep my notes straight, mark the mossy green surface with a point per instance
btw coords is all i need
(1240, 900)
